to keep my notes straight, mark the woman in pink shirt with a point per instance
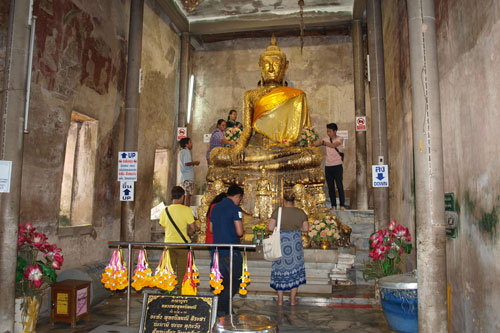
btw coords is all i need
(333, 163)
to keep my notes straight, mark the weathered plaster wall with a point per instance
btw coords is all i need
(4, 26)
(160, 62)
(225, 70)
(468, 51)
(399, 115)
(80, 65)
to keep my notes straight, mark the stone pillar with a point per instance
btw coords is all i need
(11, 149)
(184, 79)
(360, 111)
(377, 102)
(428, 155)
(127, 227)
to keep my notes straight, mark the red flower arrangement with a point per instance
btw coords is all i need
(33, 275)
(388, 250)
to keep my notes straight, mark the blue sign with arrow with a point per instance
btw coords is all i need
(380, 176)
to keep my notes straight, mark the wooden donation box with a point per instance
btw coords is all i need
(70, 301)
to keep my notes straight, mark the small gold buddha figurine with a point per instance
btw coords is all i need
(305, 201)
(264, 200)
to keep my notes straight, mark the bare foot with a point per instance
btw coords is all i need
(279, 303)
(294, 303)
(342, 208)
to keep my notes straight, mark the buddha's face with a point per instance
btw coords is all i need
(273, 68)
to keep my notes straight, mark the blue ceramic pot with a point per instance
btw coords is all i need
(400, 309)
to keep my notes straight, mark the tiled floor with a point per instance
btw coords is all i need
(349, 310)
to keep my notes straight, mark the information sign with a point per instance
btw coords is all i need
(166, 313)
(5, 174)
(361, 124)
(380, 176)
(181, 133)
(156, 211)
(343, 133)
(127, 166)
(127, 191)
(206, 138)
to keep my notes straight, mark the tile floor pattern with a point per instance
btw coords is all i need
(338, 318)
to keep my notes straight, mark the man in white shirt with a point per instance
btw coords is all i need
(186, 169)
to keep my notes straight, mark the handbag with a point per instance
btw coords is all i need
(272, 244)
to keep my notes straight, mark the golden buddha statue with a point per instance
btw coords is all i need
(266, 161)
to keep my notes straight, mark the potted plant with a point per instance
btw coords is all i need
(37, 262)
(324, 233)
(398, 293)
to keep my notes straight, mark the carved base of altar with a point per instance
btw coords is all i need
(264, 188)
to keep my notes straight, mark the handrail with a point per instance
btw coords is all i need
(190, 245)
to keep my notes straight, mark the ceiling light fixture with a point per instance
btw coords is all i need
(191, 5)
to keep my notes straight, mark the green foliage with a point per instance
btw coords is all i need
(64, 221)
(489, 221)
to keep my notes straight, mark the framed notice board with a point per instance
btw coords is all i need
(166, 313)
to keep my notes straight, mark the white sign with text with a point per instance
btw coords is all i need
(127, 191)
(5, 174)
(380, 176)
(127, 166)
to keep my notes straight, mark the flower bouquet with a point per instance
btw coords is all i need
(324, 231)
(388, 250)
(307, 136)
(34, 275)
(259, 228)
(232, 134)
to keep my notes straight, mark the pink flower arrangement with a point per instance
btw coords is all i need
(232, 133)
(324, 229)
(388, 250)
(307, 135)
(33, 275)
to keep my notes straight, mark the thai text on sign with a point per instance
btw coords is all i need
(127, 166)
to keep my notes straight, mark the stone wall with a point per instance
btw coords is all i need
(324, 70)
(4, 26)
(468, 50)
(80, 65)
(399, 116)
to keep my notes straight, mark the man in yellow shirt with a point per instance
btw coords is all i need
(183, 218)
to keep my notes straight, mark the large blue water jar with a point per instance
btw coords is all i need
(398, 295)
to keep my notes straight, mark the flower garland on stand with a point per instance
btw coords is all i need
(143, 277)
(164, 277)
(116, 273)
(191, 278)
(215, 275)
(245, 276)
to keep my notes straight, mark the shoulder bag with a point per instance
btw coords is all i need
(175, 226)
(272, 245)
(341, 154)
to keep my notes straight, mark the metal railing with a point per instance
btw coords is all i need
(130, 245)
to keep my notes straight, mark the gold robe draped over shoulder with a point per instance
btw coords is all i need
(281, 114)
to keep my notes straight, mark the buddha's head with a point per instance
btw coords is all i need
(273, 63)
(299, 191)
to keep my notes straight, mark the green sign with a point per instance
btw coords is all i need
(449, 202)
